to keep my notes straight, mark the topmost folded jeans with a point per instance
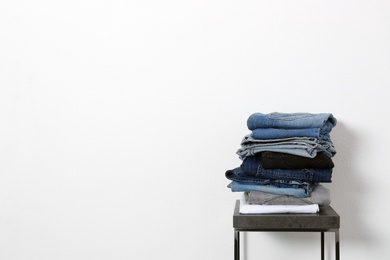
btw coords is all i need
(324, 121)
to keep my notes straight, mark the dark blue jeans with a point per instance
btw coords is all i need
(238, 175)
(252, 167)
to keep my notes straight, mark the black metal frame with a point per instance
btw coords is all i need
(336, 232)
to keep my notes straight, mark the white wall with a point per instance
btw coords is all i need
(118, 120)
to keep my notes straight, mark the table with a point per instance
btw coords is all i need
(326, 220)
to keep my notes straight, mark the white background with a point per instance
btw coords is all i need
(118, 120)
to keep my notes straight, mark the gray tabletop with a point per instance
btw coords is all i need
(325, 219)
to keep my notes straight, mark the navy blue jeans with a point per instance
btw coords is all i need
(252, 167)
(238, 175)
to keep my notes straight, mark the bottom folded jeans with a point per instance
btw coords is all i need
(320, 195)
(301, 192)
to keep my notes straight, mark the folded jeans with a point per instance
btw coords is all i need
(251, 166)
(299, 192)
(277, 133)
(273, 160)
(320, 195)
(301, 146)
(324, 121)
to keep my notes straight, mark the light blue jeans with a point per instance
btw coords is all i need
(277, 133)
(320, 195)
(296, 192)
(301, 146)
(325, 121)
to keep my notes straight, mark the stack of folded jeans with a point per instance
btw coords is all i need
(284, 159)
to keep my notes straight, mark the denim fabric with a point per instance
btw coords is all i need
(301, 192)
(277, 133)
(237, 174)
(251, 166)
(246, 208)
(272, 160)
(320, 195)
(301, 146)
(325, 121)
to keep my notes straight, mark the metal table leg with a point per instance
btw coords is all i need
(236, 245)
(337, 244)
(322, 246)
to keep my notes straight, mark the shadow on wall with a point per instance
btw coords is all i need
(347, 198)
(347, 191)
